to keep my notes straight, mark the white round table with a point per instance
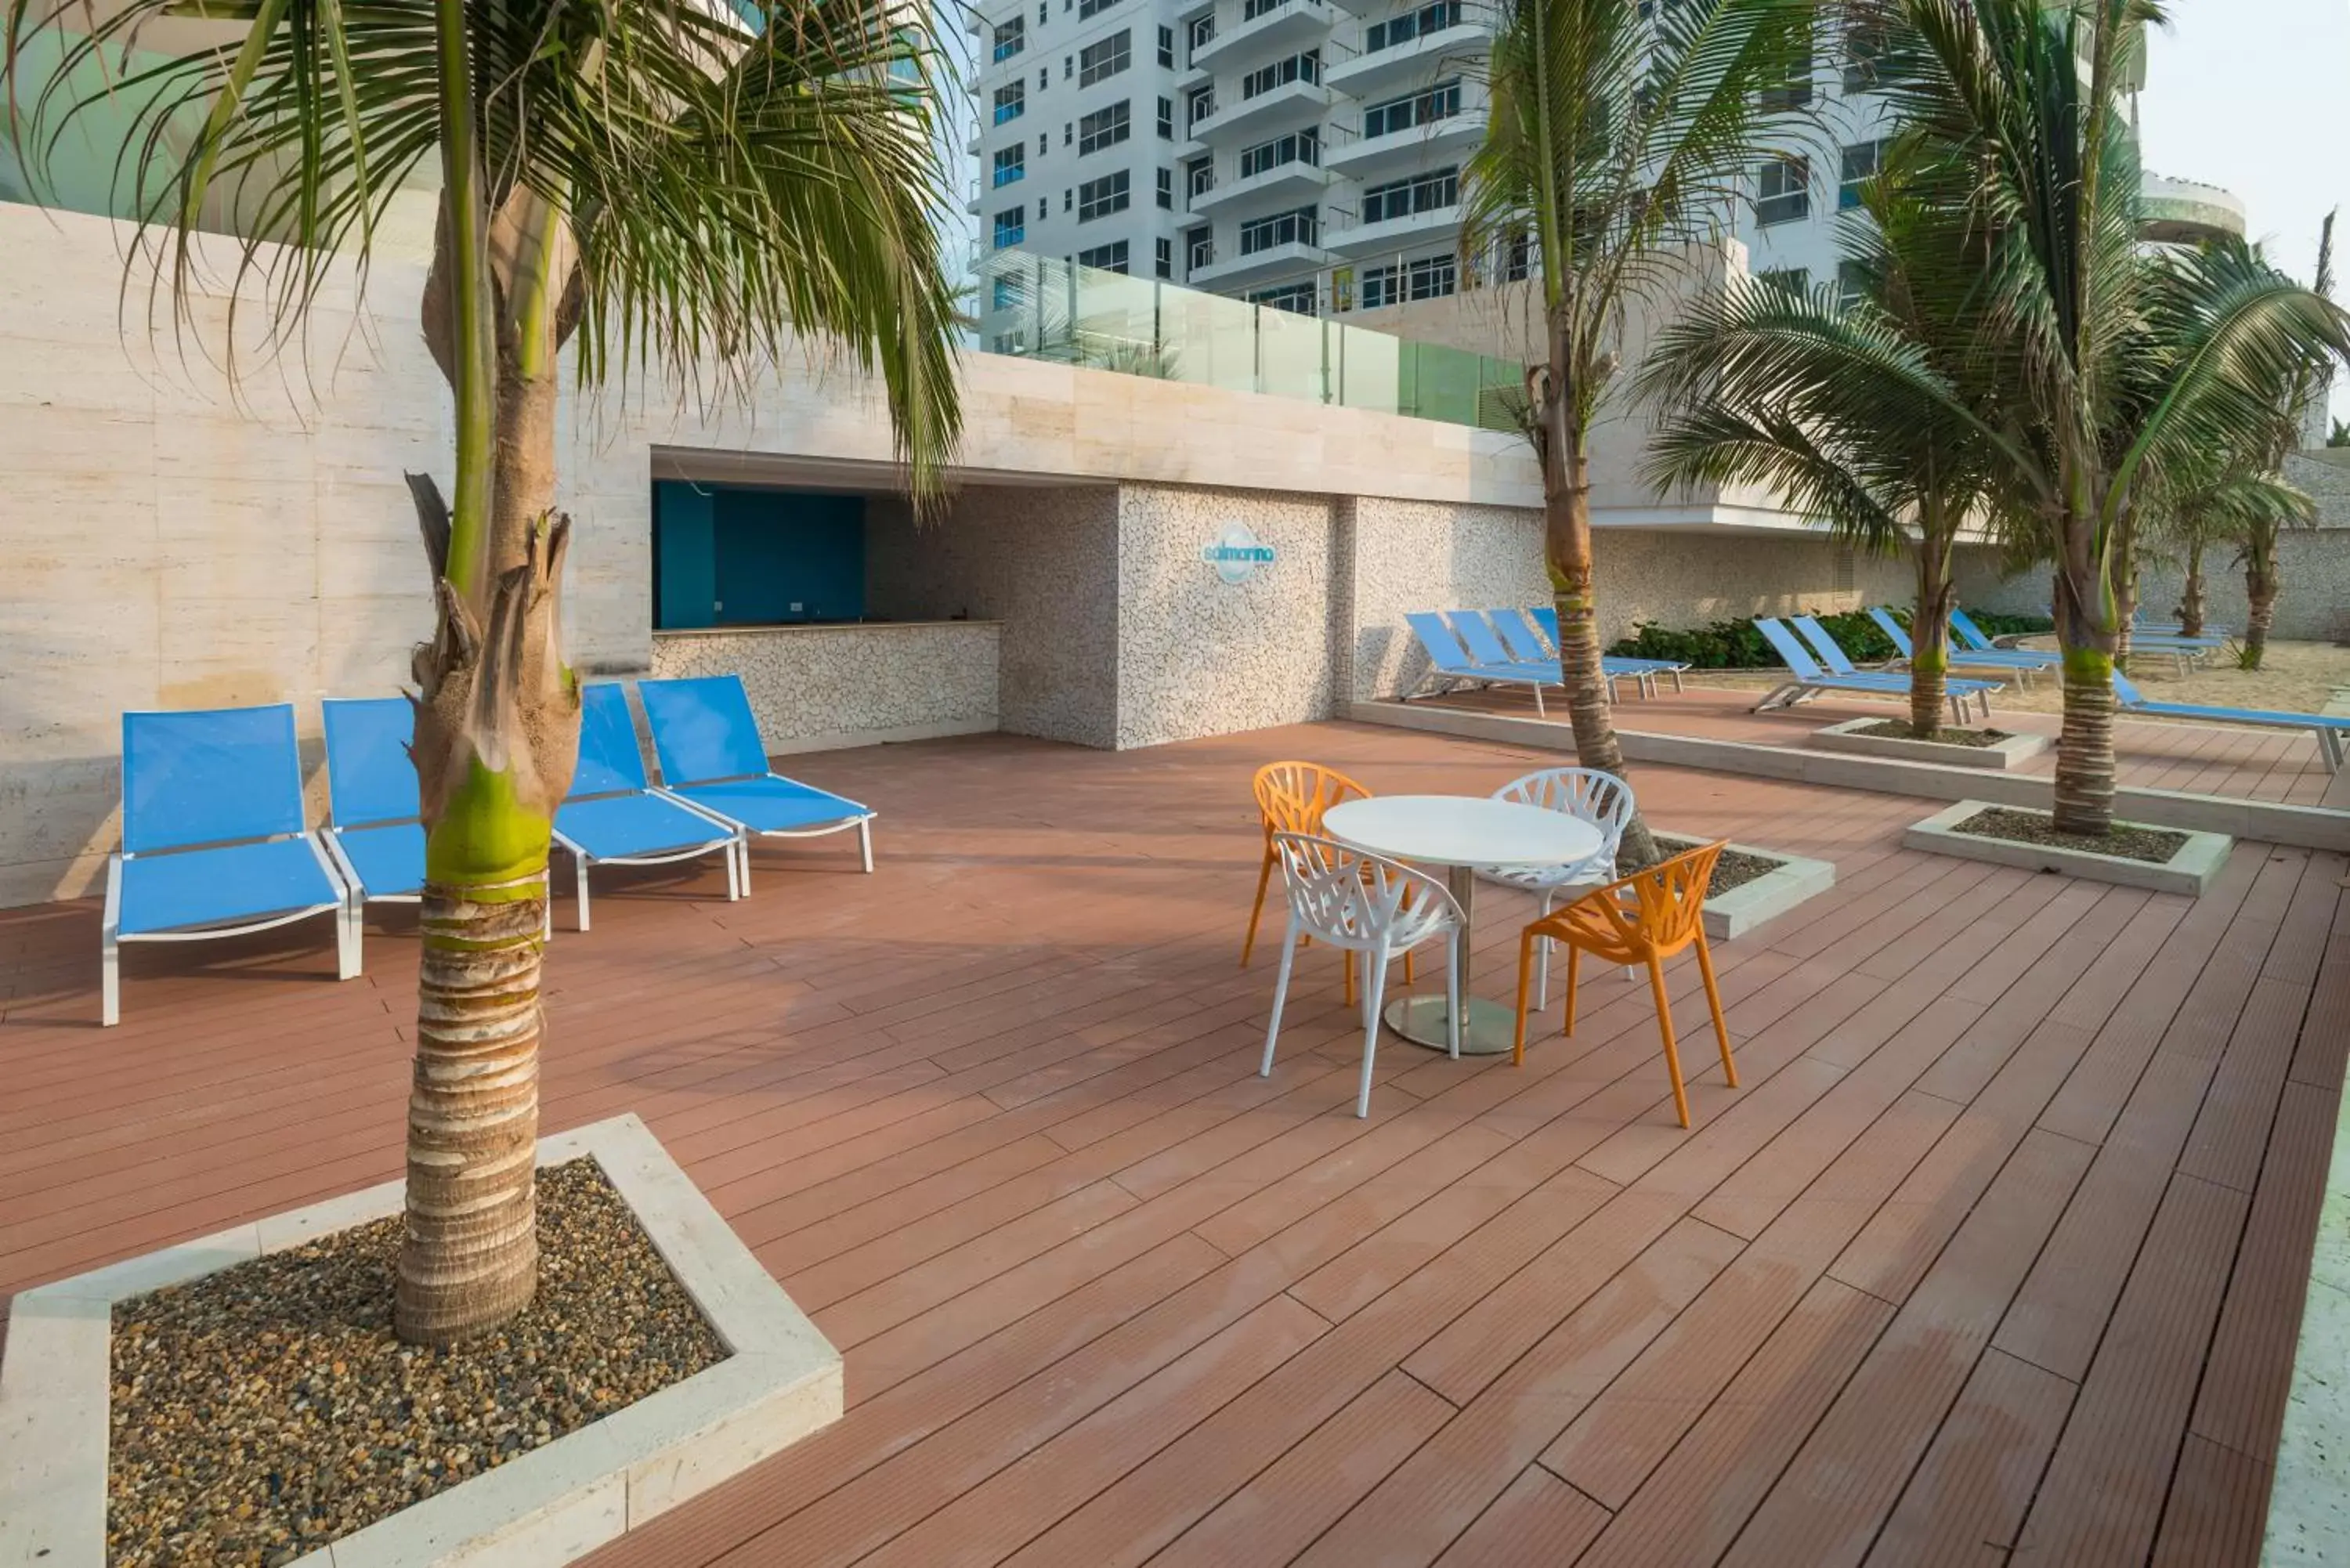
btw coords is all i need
(1459, 833)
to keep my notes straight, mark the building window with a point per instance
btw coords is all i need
(1200, 106)
(1011, 101)
(1068, 132)
(1199, 249)
(1202, 30)
(1167, 189)
(1165, 258)
(1202, 173)
(1011, 227)
(1101, 61)
(1298, 147)
(1300, 227)
(1105, 128)
(1110, 257)
(1411, 25)
(1251, 9)
(1793, 91)
(1866, 45)
(1167, 120)
(1011, 164)
(1004, 293)
(1305, 67)
(1784, 195)
(1442, 101)
(1852, 284)
(1043, 77)
(1295, 297)
(1403, 198)
(1044, 15)
(1430, 277)
(1011, 38)
(1861, 162)
(1789, 279)
(1068, 199)
(1166, 49)
(1517, 257)
(1088, 7)
(1100, 198)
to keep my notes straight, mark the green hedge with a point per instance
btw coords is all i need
(1736, 645)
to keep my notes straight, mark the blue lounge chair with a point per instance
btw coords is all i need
(1616, 666)
(2026, 662)
(373, 826)
(1448, 661)
(712, 759)
(213, 840)
(1476, 634)
(2183, 650)
(612, 815)
(1832, 655)
(1809, 679)
(2332, 735)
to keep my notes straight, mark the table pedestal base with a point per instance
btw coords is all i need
(1489, 1030)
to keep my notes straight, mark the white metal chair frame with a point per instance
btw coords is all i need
(112, 936)
(862, 822)
(736, 848)
(1363, 903)
(1588, 795)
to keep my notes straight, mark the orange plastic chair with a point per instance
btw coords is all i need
(1291, 797)
(1644, 918)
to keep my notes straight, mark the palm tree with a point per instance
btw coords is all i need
(2304, 390)
(1849, 409)
(2228, 501)
(1620, 134)
(656, 184)
(2109, 367)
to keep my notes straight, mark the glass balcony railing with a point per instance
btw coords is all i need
(1038, 307)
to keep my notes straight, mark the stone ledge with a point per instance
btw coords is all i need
(781, 1382)
(2266, 821)
(1999, 756)
(1731, 915)
(2189, 871)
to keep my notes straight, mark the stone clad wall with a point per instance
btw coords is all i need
(818, 686)
(1201, 656)
(1406, 556)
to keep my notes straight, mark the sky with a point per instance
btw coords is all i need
(2254, 95)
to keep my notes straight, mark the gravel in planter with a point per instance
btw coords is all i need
(1899, 729)
(263, 1411)
(2127, 841)
(1734, 869)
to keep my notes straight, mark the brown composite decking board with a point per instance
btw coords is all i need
(1107, 1296)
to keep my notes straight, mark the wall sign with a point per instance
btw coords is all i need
(1237, 554)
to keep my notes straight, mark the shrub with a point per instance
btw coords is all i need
(1736, 645)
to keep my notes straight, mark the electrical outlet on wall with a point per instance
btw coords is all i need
(797, 608)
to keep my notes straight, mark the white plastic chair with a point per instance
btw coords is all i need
(1366, 904)
(1587, 795)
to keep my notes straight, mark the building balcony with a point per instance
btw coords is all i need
(1420, 61)
(1296, 259)
(1290, 184)
(1372, 157)
(1286, 107)
(1292, 23)
(1354, 239)
(2186, 212)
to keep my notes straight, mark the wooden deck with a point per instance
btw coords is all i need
(2249, 763)
(1997, 1255)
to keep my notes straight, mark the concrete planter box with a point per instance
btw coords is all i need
(2000, 755)
(780, 1383)
(1731, 915)
(2189, 871)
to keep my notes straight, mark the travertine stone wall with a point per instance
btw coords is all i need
(817, 686)
(1686, 579)
(1200, 656)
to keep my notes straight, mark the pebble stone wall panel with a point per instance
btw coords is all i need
(829, 683)
(1201, 656)
(1407, 556)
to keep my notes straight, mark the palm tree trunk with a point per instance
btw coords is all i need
(2261, 584)
(1930, 644)
(2085, 748)
(1566, 526)
(2190, 596)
